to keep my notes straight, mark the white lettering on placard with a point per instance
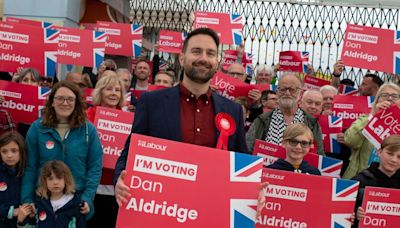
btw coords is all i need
(368, 220)
(224, 88)
(391, 124)
(17, 106)
(362, 37)
(284, 192)
(146, 185)
(6, 93)
(165, 37)
(361, 55)
(69, 53)
(113, 126)
(206, 20)
(110, 31)
(14, 37)
(170, 44)
(14, 58)
(343, 106)
(288, 63)
(164, 167)
(69, 38)
(151, 207)
(383, 208)
(6, 46)
(347, 115)
(273, 221)
(151, 145)
(116, 46)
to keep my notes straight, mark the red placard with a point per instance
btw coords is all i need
(230, 87)
(114, 127)
(300, 200)
(383, 124)
(313, 83)
(138, 93)
(171, 41)
(23, 102)
(381, 206)
(371, 48)
(28, 46)
(351, 107)
(293, 61)
(220, 187)
(331, 126)
(271, 152)
(123, 39)
(70, 45)
(228, 26)
(42, 24)
(231, 56)
(87, 95)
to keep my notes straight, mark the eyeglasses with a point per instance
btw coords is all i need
(386, 96)
(303, 144)
(60, 100)
(291, 90)
(110, 68)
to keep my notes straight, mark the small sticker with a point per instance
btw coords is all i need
(49, 145)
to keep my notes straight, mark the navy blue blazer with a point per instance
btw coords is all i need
(158, 115)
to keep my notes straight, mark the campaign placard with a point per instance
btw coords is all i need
(220, 187)
(349, 108)
(314, 83)
(331, 126)
(231, 88)
(295, 61)
(23, 102)
(382, 207)
(347, 90)
(70, 45)
(271, 152)
(122, 39)
(231, 56)
(171, 41)
(228, 26)
(28, 46)
(301, 200)
(42, 24)
(371, 48)
(114, 127)
(383, 124)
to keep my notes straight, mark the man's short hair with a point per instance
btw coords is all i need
(201, 31)
(267, 68)
(141, 59)
(124, 70)
(166, 73)
(375, 78)
(265, 94)
(328, 88)
(347, 82)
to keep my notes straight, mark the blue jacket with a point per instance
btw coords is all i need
(282, 164)
(10, 186)
(158, 115)
(68, 216)
(80, 149)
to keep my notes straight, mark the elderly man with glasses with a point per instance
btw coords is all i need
(271, 125)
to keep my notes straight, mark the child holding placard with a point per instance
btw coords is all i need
(385, 174)
(297, 140)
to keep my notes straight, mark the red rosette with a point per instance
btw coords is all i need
(226, 125)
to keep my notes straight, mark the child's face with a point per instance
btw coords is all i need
(390, 161)
(297, 147)
(55, 185)
(10, 154)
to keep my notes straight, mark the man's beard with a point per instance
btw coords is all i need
(200, 77)
(287, 102)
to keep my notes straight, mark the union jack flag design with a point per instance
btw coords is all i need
(47, 25)
(305, 55)
(397, 37)
(242, 213)
(163, 65)
(330, 166)
(245, 168)
(50, 56)
(237, 36)
(136, 48)
(370, 100)
(98, 56)
(396, 62)
(343, 191)
(99, 36)
(236, 19)
(136, 29)
(331, 126)
(347, 90)
(43, 92)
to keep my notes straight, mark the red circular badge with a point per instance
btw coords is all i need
(225, 122)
